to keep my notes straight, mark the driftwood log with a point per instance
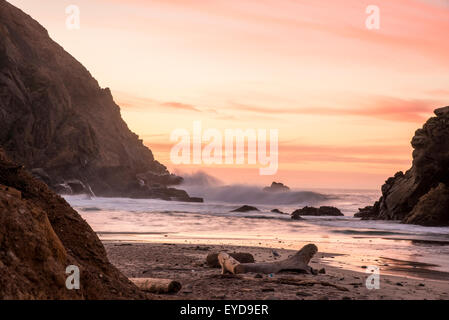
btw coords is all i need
(159, 286)
(297, 263)
(242, 257)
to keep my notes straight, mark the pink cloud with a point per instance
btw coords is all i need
(386, 108)
(179, 105)
(129, 101)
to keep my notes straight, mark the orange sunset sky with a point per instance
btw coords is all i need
(346, 100)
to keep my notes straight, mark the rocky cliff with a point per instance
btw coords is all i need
(64, 128)
(40, 236)
(421, 195)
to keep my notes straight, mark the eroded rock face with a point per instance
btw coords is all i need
(423, 183)
(58, 122)
(40, 235)
(432, 208)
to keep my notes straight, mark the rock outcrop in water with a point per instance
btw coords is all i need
(311, 211)
(277, 187)
(278, 211)
(40, 236)
(421, 195)
(65, 129)
(245, 208)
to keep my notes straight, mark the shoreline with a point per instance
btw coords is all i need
(413, 266)
(186, 264)
(358, 242)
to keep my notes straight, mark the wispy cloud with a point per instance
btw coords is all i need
(360, 150)
(179, 105)
(385, 108)
(398, 155)
(440, 92)
(126, 100)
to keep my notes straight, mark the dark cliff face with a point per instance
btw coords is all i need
(58, 122)
(420, 196)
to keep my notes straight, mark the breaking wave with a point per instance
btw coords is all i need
(201, 184)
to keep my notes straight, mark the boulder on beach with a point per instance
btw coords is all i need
(245, 208)
(40, 236)
(278, 211)
(277, 187)
(419, 196)
(312, 211)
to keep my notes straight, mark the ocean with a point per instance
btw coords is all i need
(407, 250)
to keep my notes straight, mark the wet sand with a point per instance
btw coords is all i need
(186, 264)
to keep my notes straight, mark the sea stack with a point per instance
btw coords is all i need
(277, 187)
(420, 195)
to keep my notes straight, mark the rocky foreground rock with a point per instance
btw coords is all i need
(57, 121)
(40, 236)
(421, 195)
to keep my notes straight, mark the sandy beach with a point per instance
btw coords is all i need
(308, 138)
(186, 263)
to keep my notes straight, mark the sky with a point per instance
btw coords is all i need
(346, 99)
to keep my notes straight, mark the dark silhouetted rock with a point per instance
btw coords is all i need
(404, 195)
(195, 199)
(321, 211)
(58, 122)
(306, 211)
(277, 187)
(40, 236)
(242, 257)
(278, 211)
(245, 209)
(368, 213)
(329, 211)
